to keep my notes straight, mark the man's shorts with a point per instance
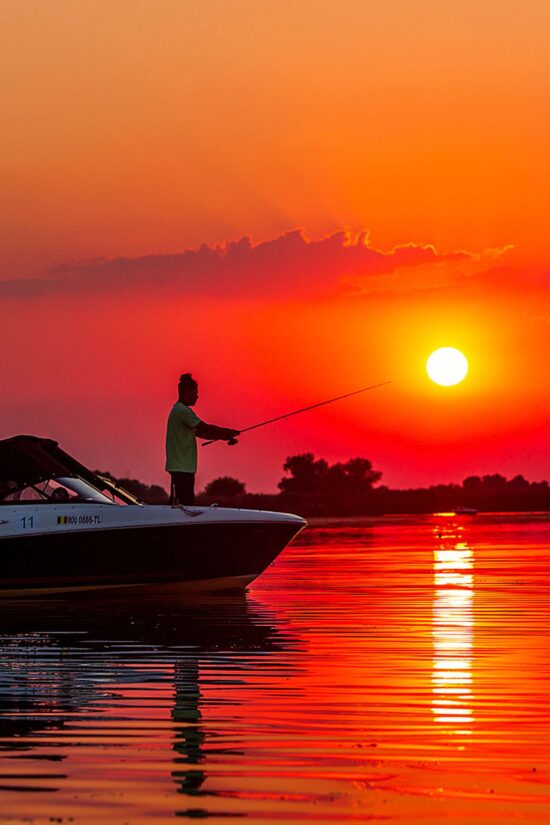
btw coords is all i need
(183, 488)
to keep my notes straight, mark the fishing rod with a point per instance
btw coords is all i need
(297, 412)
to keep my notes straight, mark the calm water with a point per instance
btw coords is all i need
(394, 670)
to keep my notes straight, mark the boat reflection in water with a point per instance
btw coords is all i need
(452, 629)
(116, 670)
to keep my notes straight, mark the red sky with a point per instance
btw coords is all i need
(292, 201)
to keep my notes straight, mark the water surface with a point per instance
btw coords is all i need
(396, 670)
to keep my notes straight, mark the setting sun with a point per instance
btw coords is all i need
(447, 366)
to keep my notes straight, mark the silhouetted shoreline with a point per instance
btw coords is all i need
(313, 488)
(384, 501)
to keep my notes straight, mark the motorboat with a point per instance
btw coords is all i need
(65, 528)
(465, 511)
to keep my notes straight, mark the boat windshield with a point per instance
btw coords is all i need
(58, 490)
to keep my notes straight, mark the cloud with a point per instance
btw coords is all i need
(290, 265)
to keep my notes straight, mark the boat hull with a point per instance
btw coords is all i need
(187, 556)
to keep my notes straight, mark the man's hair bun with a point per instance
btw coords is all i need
(187, 380)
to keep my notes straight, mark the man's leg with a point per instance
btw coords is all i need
(183, 488)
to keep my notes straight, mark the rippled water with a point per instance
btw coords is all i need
(394, 670)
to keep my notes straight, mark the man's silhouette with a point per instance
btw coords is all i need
(181, 441)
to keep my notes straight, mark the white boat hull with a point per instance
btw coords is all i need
(70, 548)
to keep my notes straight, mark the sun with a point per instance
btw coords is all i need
(447, 366)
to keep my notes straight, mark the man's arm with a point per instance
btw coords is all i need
(205, 430)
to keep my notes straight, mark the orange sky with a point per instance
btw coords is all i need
(152, 128)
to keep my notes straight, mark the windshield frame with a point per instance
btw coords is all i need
(86, 493)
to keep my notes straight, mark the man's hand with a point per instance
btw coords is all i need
(213, 433)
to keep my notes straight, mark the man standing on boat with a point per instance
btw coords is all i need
(181, 441)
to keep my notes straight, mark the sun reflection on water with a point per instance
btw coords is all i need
(452, 630)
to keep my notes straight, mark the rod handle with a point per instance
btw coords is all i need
(231, 442)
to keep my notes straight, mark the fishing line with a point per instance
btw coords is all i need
(297, 412)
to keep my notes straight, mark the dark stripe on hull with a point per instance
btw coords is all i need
(171, 553)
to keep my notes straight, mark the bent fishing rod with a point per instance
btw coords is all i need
(233, 441)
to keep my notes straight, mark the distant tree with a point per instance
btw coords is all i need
(519, 483)
(311, 475)
(225, 486)
(150, 494)
(306, 474)
(472, 484)
(360, 473)
(494, 483)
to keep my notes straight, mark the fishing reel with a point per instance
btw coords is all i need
(232, 442)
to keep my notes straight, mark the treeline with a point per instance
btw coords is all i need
(313, 487)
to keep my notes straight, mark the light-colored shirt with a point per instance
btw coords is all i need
(181, 441)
